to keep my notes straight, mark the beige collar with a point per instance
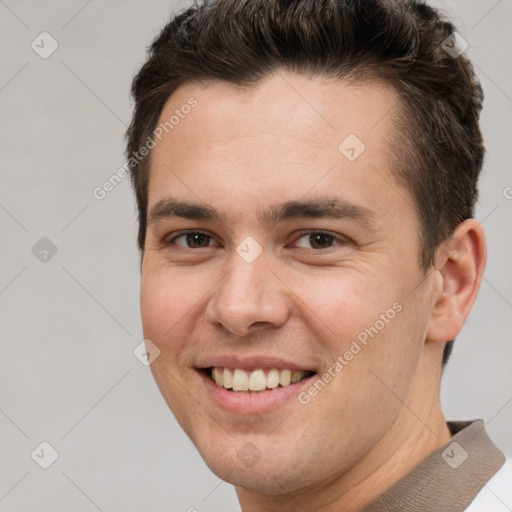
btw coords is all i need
(449, 478)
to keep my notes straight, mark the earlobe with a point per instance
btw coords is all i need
(460, 262)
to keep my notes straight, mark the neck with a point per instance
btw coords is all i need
(419, 429)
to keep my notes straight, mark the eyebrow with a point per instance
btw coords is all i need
(331, 207)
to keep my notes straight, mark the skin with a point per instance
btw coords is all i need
(241, 151)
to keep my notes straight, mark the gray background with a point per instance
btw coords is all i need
(69, 325)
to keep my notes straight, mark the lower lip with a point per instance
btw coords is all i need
(251, 403)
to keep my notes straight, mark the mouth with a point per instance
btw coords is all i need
(258, 380)
(254, 384)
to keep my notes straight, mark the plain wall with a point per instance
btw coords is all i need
(69, 325)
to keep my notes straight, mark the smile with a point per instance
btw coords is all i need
(257, 380)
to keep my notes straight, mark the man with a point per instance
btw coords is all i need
(306, 175)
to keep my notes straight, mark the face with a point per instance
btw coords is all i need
(274, 243)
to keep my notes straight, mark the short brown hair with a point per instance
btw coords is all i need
(398, 42)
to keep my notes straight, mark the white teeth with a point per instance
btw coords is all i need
(256, 380)
(227, 378)
(217, 376)
(273, 378)
(285, 378)
(240, 380)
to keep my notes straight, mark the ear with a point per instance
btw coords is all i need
(460, 263)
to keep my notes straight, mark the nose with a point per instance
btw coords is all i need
(249, 299)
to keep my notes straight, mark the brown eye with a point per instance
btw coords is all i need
(320, 240)
(193, 240)
(316, 240)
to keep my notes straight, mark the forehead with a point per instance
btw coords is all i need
(313, 109)
(287, 136)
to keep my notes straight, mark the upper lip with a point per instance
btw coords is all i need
(252, 363)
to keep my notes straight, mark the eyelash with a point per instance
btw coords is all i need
(336, 238)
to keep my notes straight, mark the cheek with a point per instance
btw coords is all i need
(365, 325)
(167, 302)
(342, 303)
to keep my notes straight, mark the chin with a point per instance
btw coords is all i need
(267, 478)
(273, 470)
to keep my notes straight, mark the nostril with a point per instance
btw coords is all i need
(259, 324)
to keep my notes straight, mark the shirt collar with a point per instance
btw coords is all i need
(449, 478)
